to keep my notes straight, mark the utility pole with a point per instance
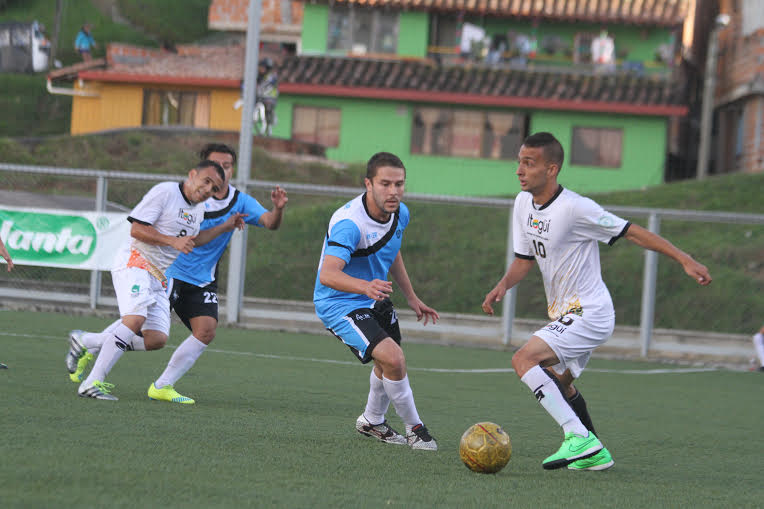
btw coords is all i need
(56, 33)
(709, 86)
(238, 258)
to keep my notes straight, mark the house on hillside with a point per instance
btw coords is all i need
(452, 87)
(280, 23)
(739, 100)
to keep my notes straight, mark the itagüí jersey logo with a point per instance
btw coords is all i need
(48, 238)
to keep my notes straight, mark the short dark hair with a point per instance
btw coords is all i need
(381, 159)
(211, 164)
(216, 147)
(552, 148)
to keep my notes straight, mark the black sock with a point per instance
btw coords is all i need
(578, 404)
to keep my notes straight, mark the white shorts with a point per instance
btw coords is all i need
(140, 293)
(574, 337)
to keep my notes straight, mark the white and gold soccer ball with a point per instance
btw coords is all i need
(485, 447)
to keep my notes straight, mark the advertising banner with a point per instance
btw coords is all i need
(62, 238)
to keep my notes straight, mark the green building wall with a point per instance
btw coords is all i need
(643, 157)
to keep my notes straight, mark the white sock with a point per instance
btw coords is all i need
(111, 351)
(139, 344)
(181, 361)
(399, 392)
(94, 340)
(378, 401)
(548, 394)
(758, 344)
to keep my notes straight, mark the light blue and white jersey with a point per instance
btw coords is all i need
(199, 267)
(368, 248)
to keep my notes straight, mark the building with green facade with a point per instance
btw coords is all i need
(453, 87)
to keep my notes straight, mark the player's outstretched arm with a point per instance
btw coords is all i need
(517, 271)
(272, 218)
(331, 275)
(234, 221)
(649, 240)
(401, 277)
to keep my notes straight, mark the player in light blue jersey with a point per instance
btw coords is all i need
(193, 277)
(352, 292)
(192, 280)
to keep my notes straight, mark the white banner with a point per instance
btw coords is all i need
(62, 238)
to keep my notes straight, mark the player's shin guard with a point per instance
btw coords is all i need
(181, 361)
(378, 401)
(402, 398)
(111, 351)
(551, 398)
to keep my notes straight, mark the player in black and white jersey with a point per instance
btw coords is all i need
(559, 230)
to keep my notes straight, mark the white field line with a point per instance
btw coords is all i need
(432, 370)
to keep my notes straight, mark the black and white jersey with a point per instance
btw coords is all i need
(561, 235)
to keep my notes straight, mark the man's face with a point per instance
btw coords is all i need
(201, 184)
(533, 170)
(386, 188)
(226, 161)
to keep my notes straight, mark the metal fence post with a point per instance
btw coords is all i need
(510, 299)
(95, 275)
(650, 277)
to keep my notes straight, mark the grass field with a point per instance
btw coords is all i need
(274, 427)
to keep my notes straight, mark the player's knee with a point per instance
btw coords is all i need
(205, 335)
(154, 340)
(520, 363)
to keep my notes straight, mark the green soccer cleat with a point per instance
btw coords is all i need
(574, 447)
(168, 393)
(82, 365)
(600, 461)
(97, 390)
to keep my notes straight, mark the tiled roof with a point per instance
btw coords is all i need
(425, 81)
(642, 12)
(398, 80)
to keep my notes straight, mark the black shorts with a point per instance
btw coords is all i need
(190, 301)
(374, 324)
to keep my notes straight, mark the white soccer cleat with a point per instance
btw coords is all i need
(76, 350)
(381, 431)
(419, 438)
(97, 390)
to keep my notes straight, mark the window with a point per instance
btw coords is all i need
(316, 125)
(171, 107)
(595, 146)
(362, 30)
(467, 133)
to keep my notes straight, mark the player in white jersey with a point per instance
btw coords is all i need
(351, 296)
(560, 229)
(758, 345)
(164, 224)
(192, 280)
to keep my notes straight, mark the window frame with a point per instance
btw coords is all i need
(444, 129)
(575, 157)
(318, 110)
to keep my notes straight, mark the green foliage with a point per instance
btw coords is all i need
(189, 18)
(273, 426)
(29, 110)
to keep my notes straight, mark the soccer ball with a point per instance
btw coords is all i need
(485, 448)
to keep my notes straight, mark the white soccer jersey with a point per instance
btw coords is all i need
(562, 236)
(166, 208)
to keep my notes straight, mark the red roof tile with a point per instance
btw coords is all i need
(427, 82)
(642, 12)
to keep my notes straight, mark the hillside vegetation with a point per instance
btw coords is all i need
(454, 253)
(24, 99)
